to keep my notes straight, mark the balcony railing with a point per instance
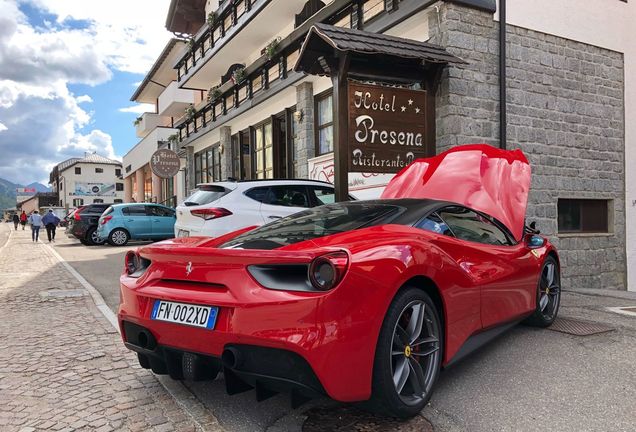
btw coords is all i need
(225, 18)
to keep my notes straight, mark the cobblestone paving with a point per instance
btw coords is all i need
(62, 365)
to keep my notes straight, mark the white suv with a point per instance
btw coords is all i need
(218, 208)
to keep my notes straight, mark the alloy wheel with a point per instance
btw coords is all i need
(549, 290)
(119, 238)
(414, 353)
(95, 238)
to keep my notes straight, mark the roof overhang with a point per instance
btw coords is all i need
(371, 55)
(161, 74)
(185, 16)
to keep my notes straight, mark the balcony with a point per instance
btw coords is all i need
(139, 155)
(232, 37)
(149, 121)
(173, 101)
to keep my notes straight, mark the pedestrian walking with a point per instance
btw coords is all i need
(50, 221)
(16, 221)
(23, 219)
(36, 223)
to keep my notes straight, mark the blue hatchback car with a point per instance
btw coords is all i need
(138, 221)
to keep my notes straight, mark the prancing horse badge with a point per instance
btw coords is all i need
(189, 268)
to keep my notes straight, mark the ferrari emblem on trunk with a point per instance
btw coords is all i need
(189, 268)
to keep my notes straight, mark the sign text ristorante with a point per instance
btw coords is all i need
(387, 127)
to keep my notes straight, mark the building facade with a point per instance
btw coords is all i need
(565, 72)
(156, 131)
(87, 180)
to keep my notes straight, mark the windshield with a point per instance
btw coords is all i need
(316, 222)
(205, 194)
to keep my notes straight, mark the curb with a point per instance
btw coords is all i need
(180, 393)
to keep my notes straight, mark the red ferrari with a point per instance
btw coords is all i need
(360, 301)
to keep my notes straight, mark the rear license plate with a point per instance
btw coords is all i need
(183, 313)
(183, 233)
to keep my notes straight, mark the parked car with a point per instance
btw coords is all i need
(123, 222)
(360, 301)
(215, 209)
(82, 223)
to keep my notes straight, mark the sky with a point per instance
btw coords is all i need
(67, 71)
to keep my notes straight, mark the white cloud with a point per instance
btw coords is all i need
(42, 121)
(138, 109)
(84, 99)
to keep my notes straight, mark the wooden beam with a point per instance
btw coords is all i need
(340, 106)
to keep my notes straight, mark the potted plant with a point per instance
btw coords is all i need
(212, 18)
(191, 44)
(238, 76)
(137, 121)
(271, 48)
(174, 138)
(190, 112)
(214, 93)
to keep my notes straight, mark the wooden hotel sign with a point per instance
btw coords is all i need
(387, 127)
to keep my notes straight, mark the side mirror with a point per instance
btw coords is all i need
(534, 241)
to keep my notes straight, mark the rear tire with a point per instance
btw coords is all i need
(118, 237)
(93, 239)
(548, 295)
(408, 355)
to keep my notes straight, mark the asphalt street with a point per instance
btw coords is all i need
(528, 379)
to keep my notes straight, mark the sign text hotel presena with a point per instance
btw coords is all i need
(387, 127)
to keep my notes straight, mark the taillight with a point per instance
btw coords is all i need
(76, 215)
(105, 219)
(326, 271)
(134, 264)
(211, 213)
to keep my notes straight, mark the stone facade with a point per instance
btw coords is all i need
(225, 141)
(565, 111)
(304, 140)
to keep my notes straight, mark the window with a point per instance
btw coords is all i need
(264, 151)
(99, 170)
(470, 226)
(78, 202)
(322, 194)
(118, 172)
(134, 210)
(236, 158)
(288, 196)
(119, 186)
(435, 224)
(118, 201)
(583, 216)
(205, 195)
(78, 170)
(160, 211)
(98, 201)
(207, 165)
(324, 125)
(258, 194)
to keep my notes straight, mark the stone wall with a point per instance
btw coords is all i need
(565, 106)
(304, 141)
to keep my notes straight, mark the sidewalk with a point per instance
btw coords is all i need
(62, 364)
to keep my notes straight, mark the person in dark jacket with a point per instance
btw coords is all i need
(16, 221)
(23, 219)
(50, 222)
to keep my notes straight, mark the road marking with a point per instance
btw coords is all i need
(180, 393)
(7, 240)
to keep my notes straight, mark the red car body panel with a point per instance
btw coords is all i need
(479, 176)
(336, 332)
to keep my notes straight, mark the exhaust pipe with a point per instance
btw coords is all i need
(232, 358)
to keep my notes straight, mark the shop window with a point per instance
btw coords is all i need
(119, 187)
(148, 189)
(324, 126)
(207, 165)
(78, 170)
(371, 9)
(99, 170)
(236, 158)
(263, 151)
(583, 215)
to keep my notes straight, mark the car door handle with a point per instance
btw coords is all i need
(274, 217)
(130, 220)
(156, 220)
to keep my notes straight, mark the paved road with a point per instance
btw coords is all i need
(526, 380)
